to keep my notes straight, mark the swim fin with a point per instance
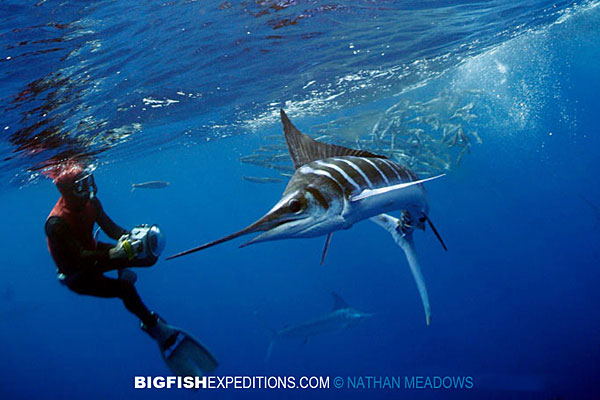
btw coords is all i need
(182, 352)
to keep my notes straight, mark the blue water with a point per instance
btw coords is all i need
(180, 90)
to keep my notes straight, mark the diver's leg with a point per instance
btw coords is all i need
(96, 284)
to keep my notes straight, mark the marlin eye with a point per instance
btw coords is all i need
(422, 219)
(294, 205)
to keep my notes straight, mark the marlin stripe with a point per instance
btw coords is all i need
(357, 169)
(411, 175)
(391, 166)
(400, 171)
(374, 176)
(305, 169)
(386, 169)
(318, 196)
(340, 172)
(351, 172)
(387, 182)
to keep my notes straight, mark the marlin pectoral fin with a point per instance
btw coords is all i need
(376, 192)
(405, 242)
(326, 247)
(305, 149)
(415, 268)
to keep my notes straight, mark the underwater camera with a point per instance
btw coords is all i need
(149, 242)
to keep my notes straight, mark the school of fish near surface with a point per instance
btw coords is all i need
(430, 137)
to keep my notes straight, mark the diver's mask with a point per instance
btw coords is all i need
(85, 187)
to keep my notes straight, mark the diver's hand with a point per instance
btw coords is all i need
(125, 249)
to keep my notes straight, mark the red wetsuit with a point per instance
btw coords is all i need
(80, 224)
(82, 261)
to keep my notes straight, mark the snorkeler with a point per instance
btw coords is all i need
(81, 262)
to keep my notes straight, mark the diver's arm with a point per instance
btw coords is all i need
(69, 252)
(113, 230)
(66, 246)
(104, 246)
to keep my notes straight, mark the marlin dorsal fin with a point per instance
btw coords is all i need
(338, 302)
(305, 149)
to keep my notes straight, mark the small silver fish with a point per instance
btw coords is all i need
(282, 156)
(150, 185)
(271, 147)
(477, 137)
(260, 179)
(272, 137)
(467, 149)
(253, 161)
(250, 157)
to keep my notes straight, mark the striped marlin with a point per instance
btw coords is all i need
(341, 317)
(332, 188)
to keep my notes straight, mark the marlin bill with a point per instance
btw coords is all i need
(334, 187)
